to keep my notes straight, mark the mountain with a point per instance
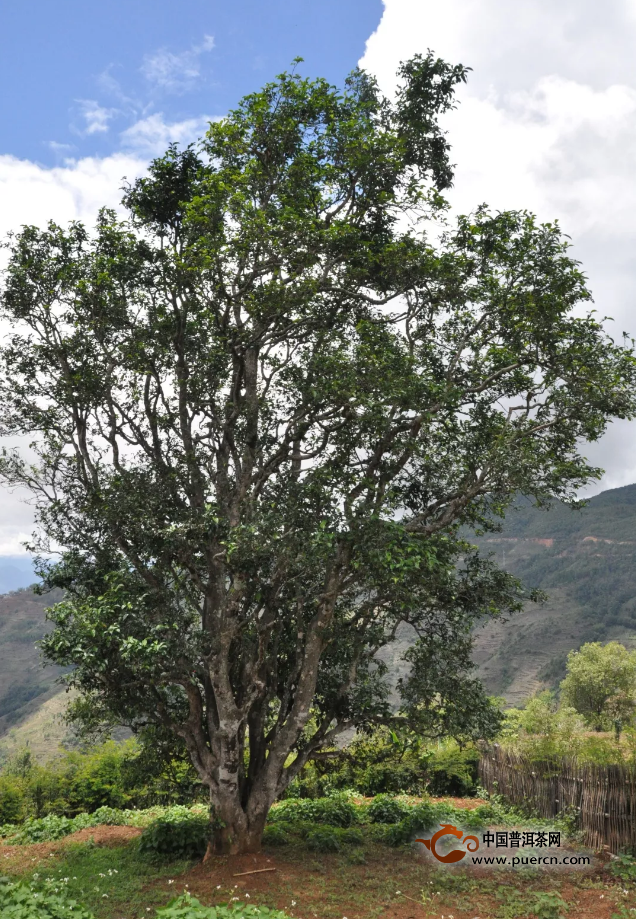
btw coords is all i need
(24, 682)
(15, 573)
(585, 561)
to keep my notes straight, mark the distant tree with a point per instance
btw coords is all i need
(601, 684)
(263, 407)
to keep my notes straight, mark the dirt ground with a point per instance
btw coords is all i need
(22, 858)
(382, 882)
(390, 884)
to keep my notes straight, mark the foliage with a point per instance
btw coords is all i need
(188, 907)
(52, 827)
(547, 728)
(50, 900)
(386, 809)
(549, 905)
(11, 800)
(383, 761)
(275, 834)
(176, 837)
(22, 901)
(108, 775)
(601, 684)
(337, 810)
(624, 867)
(262, 408)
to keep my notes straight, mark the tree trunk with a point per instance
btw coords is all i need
(232, 831)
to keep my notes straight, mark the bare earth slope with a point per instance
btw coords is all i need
(586, 562)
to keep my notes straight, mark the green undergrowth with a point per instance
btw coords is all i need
(52, 827)
(332, 824)
(181, 831)
(52, 898)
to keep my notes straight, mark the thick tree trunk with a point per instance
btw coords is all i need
(232, 831)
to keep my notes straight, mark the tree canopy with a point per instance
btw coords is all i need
(601, 684)
(263, 407)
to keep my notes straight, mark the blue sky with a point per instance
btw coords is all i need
(77, 74)
(547, 121)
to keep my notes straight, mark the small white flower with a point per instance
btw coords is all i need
(247, 895)
(294, 904)
(397, 893)
(218, 886)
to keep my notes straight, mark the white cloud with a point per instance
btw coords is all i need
(95, 116)
(33, 194)
(150, 136)
(546, 122)
(176, 72)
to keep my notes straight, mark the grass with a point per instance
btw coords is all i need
(112, 882)
(364, 879)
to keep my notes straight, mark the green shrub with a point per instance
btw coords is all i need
(11, 800)
(188, 907)
(383, 762)
(177, 837)
(276, 835)
(45, 829)
(624, 867)
(323, 839)
(332, 838)
(19, 901)
(111, 775)
(549, 906)
(334, 811)
(386, 809)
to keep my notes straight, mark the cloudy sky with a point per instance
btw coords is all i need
(547, 121)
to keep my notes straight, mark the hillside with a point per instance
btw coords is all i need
(41, 731)
(585, 561)
(24, 682)
(15, 573)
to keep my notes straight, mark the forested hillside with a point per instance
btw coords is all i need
(585, 561)
(24, 683)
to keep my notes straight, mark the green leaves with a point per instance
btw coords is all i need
(188, 907)
(263, 408)
(21, 901)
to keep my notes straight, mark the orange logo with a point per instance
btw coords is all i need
(456, 855)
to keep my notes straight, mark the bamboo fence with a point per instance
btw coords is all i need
(603, 798)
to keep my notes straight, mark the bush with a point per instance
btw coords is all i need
(386, 809)
(381, 762)
(276, 835)
(111, 775)
(624, 867)
(323, 839)
(19, 901)
(11, 800)
(188, 907)
(334, 811)
(177, 837)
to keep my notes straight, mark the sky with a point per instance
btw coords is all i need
(546, 122)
